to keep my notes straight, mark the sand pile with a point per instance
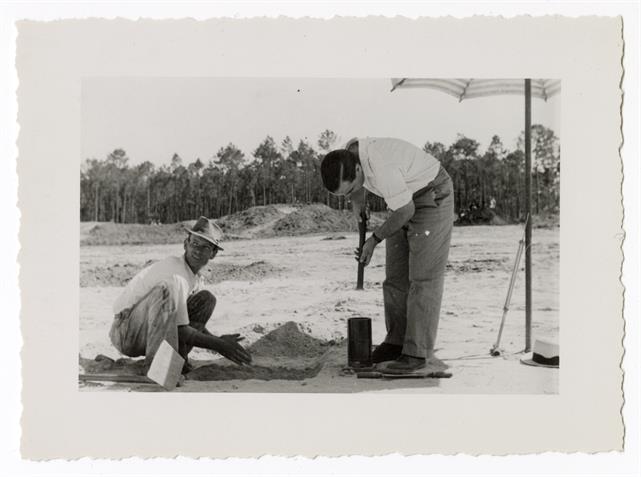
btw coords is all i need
(284, 353)
(276, 221)
(255, 222)
(238, 223)
(317, 218)
(288, 341)
(107, 233)
(118, 275)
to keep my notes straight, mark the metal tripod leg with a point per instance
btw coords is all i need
(495, 349)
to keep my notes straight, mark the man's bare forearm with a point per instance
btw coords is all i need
(200, 339)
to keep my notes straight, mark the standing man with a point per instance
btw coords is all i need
(419, 193)
(165, 301)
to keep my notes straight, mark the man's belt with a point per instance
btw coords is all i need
(442, 174)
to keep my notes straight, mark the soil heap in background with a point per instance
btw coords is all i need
(255, 222)
(281, 220)
(318, 218)
(108, 233)
(236, 224)
(311, 219)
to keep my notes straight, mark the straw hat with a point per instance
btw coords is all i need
(207, 229)
(545, 354)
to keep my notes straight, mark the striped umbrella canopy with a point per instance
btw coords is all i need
(479, 88)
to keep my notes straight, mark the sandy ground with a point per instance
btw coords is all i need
(311, 281)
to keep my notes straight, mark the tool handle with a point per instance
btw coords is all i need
(362, 230)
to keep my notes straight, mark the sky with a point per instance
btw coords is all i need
(153, 118)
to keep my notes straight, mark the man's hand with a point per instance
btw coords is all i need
(231, 350)
(226, 345)
(235, 337)
(367, 252)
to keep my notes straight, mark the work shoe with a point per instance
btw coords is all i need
(411, 364)
(405, 364)
(386, 352)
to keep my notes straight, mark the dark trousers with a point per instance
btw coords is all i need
(415, 262)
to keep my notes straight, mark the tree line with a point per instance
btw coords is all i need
(113, 190)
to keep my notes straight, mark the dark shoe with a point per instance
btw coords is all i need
(386, 352)
(403, 365)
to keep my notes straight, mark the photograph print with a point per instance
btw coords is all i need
(319, 235)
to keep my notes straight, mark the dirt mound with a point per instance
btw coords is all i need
(314, 218)
(240, 222)
(288, 341)
(317, 218)
(108, 233)
(284, 353)
(118, 275)
(255, 222)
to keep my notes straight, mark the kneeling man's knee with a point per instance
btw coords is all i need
(201, 305)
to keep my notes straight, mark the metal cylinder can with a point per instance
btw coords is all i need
(359, 342)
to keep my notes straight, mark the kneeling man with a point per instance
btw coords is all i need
(166, 301)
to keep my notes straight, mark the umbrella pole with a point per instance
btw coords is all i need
(528, 209)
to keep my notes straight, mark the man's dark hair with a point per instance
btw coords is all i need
(331, 168)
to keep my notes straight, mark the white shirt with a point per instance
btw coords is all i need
(173, 270)
(394, 169)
